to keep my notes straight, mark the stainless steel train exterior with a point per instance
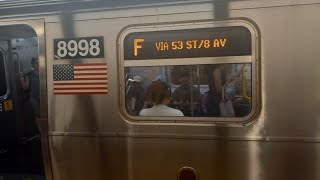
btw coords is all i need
(93, 137)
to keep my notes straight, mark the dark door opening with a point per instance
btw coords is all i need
(20, 142)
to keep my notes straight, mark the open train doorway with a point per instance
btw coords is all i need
(21, 104)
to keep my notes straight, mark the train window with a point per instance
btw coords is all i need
(205, 72)
(189, 95)
(3, 83)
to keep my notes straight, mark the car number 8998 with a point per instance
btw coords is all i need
(88, 47)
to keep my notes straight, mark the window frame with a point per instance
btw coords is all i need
(252, 59)
(5, 96)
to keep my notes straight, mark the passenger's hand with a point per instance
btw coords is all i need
(21, 75)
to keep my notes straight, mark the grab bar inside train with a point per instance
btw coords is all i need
(18, 60)
(244, 83)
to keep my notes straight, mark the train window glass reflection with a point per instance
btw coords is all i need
(196, 90)
(3, 85)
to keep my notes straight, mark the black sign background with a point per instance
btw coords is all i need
(238, 43)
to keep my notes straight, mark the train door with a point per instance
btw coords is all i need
(21, 101)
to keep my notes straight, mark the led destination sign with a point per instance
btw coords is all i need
(207, 42)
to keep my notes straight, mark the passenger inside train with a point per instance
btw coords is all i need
(197, 89)
(30, 83)
(135, 96)
(210, 100)
(159, 93)
(186, 96)
(30, 102)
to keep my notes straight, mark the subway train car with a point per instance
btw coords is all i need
(185, 89)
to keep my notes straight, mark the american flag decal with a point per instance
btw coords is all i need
(80, 78)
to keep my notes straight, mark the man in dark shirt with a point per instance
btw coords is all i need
(182, 95)
(135, 96)
(30, 82)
